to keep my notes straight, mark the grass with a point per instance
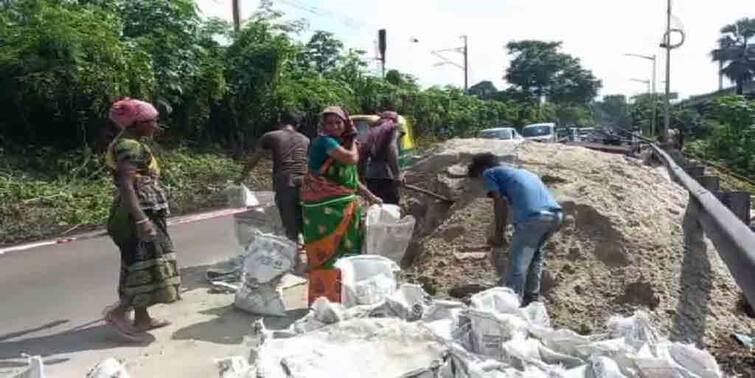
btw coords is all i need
(48, 193)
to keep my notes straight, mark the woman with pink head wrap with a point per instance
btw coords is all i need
(127, 112)
(149, 273)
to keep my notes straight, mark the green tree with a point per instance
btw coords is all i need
(61, 65)
(613, 111)
(539, 68)
(322, 51)
(484, 90)
(735, 54)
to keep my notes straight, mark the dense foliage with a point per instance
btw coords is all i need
(732, 134)
(63, 62)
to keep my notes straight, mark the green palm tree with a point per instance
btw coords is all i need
(735, 55)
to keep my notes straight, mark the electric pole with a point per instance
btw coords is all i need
(466, 63)
(464, 51)
(666, 44)
(236, 8)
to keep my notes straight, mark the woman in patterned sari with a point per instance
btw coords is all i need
(149, 274)
(331, 211)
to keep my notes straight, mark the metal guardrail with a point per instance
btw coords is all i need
(734, 241)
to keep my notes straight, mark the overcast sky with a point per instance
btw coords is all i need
(599, 32)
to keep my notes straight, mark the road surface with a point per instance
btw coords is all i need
(51, 298)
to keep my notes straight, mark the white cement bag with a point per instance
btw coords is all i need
(536, 315)
(267, 257)
(567, 342)
(235, 367)
(442, 317)
(409, 302)
(365, 348)
(36, 368)
(109, 368)
(240, 196)
(366, 279)
(501, 300)
(263, 219)
(696, 361)
(488, 332)
(604, 367)
(637, 329)
(387, 234)
(264, 299)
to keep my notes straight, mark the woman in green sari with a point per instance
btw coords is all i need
(149, 274)
(331, 212)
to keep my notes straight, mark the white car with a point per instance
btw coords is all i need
(502, 133)
(540, 132)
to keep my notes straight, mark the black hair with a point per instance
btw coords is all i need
(481, 162)
(292, 117)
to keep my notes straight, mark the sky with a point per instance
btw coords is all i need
(598, 32)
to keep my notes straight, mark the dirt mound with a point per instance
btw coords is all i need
(621, 246)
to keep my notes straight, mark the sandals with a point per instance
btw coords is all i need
(121, 329)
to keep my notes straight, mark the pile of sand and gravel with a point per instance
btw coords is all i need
(621, 246)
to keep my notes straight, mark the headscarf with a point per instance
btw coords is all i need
(349, 132)
(127, 111)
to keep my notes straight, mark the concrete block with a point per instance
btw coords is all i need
(712, 183)
(738, 203)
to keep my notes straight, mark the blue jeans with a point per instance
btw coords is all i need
(525, 267)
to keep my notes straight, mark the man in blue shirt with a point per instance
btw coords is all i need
(536, 217)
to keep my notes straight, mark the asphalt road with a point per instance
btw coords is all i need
(46, 290)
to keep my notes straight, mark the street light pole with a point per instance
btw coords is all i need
(646, 82)
(654, 93)
(667, 103)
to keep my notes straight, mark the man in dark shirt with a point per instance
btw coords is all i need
(380, 158)
(289, 149)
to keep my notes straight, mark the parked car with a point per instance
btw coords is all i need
(540, 132)
(503, 133)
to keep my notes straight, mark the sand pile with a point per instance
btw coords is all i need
(621, 246)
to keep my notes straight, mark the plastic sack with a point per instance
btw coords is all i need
(409, 302)
(235, 367)
(442, 317)
(364, 348)
(366, 279)
(267, 257)
(240, 196)
(387, 234)
(264, 219)
(536, 315)
(500, 300)
(108, 368)
(636, 329)
(262, 299)
(604, 367)
(36, 368)
(698, 362)
(488, 332)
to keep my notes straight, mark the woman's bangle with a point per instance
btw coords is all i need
(145, 220)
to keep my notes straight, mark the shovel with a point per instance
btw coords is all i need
(427, 192)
